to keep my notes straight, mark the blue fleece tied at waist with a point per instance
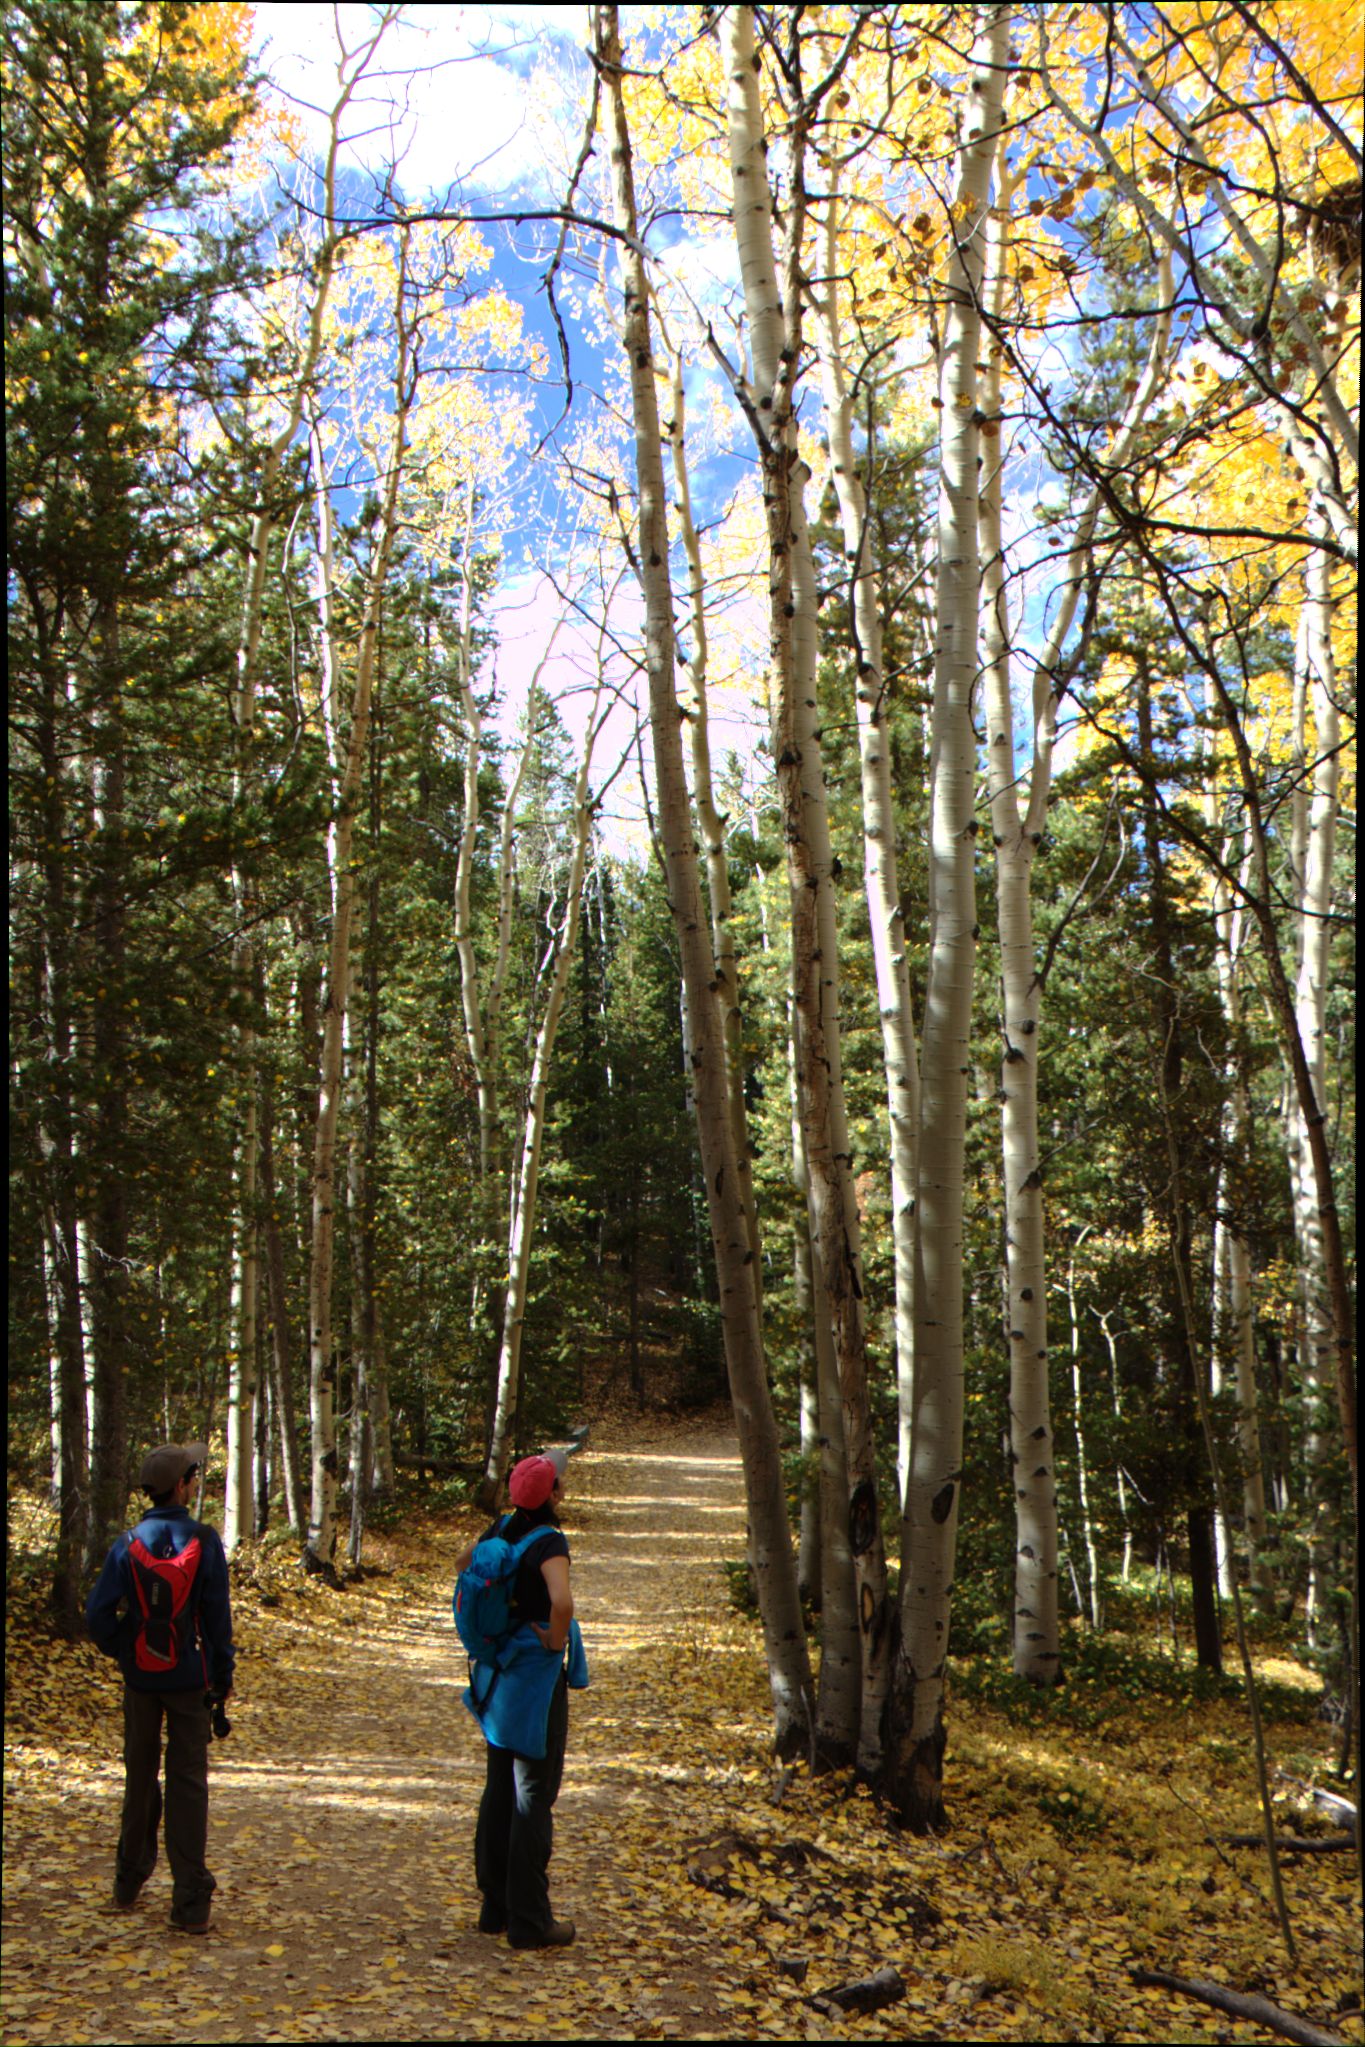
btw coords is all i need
(513, 1697)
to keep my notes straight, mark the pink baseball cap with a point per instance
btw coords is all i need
(533, 1480)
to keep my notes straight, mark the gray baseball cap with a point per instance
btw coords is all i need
(164, 1468)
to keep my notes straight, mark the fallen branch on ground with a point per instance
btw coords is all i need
(1241, 2005)
(870, 1993)
(1295, 1844)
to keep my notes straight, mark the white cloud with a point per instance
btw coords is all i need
(447, 95)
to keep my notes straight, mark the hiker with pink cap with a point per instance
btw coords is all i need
(514, 1613)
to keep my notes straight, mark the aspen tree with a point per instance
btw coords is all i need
(774, 313)
(1018, 821)
(1233, 1320)
(839, 1696)
(899, 1052)
(1323, 434)
(322, 1365)
(770, 1547)
(710, 823)
(915, 1727)
(483, 1017)
(522, 1212)
(242, 1370)
(1315, 816)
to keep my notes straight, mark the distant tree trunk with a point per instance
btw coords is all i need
(242, 1381)
(521, 1222)
(1170, 1059)
(483, 1020)
(281, 1364)
(242, 1352)
(111, 1348)
(711, 825)
(1095, 1586)
(360, 1237)
(261, 1461)
(770, 1546)
(1234, 1321)
(70, 1474)
(321, 1543)
(916, 1734)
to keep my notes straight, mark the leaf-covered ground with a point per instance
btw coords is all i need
(715, 1896)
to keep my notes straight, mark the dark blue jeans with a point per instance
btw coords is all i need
(515, 1834)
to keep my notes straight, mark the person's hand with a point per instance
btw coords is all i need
(547, 1640)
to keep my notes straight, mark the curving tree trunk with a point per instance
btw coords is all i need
(770, 1547)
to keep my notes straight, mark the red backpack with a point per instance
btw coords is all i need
(163, 1588)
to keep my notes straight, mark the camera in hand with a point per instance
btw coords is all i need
(218, 1719)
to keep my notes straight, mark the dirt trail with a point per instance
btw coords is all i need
(342, 1814)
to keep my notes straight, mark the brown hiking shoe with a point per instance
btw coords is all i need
(559, 1933)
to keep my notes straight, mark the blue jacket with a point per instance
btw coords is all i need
(514, 1698)
(206, 1652)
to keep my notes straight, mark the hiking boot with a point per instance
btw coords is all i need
(559, 1933)
(189, 1925)
(491, 1920)
(126, 1894)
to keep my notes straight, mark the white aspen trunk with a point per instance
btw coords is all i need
(1016, 836)
(1314, 948)
(916, 1732)
(84, 1261)
(1092, 1561)
(710, 823)
(770, 1548)
(242, 1354)
(1317, 846)
(1120, 1481)
(899, 1051)
(54, 1367)
(775, 319)
(838, 1700)
(808, 1539)
(322, 1368)
(488, 1016)
(1234, 1321)
(360, 1458)
(522, 1220)
(238, 1506)
(464, 865)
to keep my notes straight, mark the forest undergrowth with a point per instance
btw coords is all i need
(716, 1895)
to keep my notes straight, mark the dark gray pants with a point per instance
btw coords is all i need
(515, 1834)
(186, 1802)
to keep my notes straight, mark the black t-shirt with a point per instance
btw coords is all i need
(532, 1596)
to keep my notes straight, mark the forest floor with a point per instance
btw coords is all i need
(701, 1878)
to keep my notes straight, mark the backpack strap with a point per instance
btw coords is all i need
(519, 1551)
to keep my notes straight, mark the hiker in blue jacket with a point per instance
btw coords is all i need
(522, 1707)
(161, 1607)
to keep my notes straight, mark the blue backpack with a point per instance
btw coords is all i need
(484, 1592)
